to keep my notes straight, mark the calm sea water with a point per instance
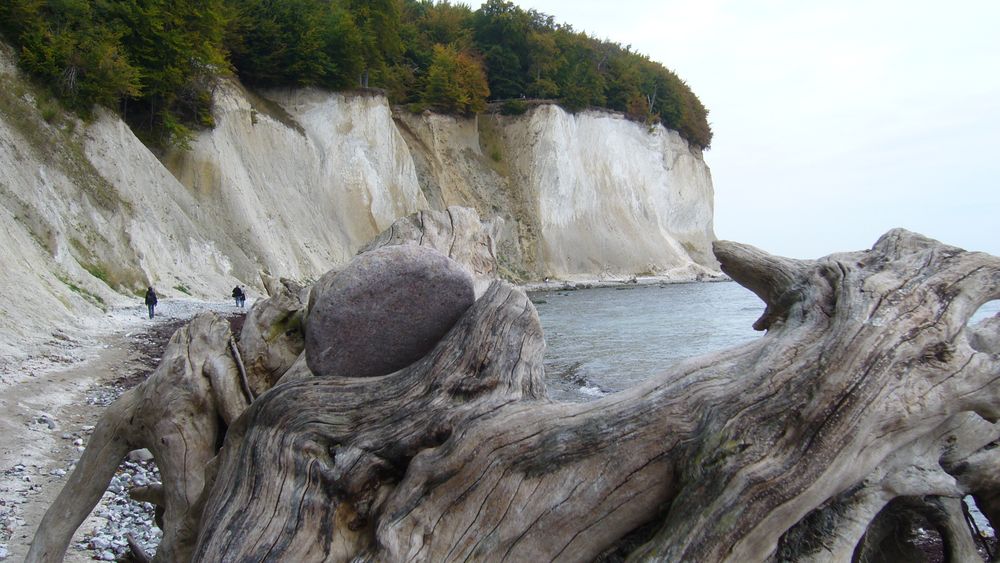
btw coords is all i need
(599, 341)
(604, 340)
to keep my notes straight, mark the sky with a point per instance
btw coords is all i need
(833, 121)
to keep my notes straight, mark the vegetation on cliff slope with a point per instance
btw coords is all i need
(156, 61)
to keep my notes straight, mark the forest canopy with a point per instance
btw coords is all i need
(156, 61)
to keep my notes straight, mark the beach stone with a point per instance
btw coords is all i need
(140, 455)
(384, 311)
(99, 543)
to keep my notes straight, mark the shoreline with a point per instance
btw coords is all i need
(66, 347)
(634, 281)
(51, 400)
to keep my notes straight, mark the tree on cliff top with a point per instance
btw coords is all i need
(378, 24)
(156, 61)
(295, 42)
(456, 82)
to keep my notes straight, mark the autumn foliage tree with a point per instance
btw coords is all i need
(153, 59)
(156, 61)
(456, 82)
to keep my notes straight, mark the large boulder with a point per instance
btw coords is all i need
(456, 232)
(384, 311)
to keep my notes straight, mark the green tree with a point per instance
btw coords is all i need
(501, 34)
(456, 82)
(177, 47)
(295, 43)
(546, 59)
(379, 25)
(62, 44)
(430, 23)
(427, 23)
(623, 83)
(505, 76)
(447, 24)
(581, 84)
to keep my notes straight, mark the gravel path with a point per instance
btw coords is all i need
(48, 408)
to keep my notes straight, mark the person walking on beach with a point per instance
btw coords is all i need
(239, 296)
(150, 300)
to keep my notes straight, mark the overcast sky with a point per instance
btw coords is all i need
(834, 121)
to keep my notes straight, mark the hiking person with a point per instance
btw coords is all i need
(239, 296)
(150, 300)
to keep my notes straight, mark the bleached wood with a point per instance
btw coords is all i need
(865, 353)
(867, 391)
(176, 414)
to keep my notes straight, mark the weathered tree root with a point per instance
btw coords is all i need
(344, 450)
(855, 525)
(867, 397)
(179, 413)
(866, 354)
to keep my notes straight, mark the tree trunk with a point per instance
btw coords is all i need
(866, 388)
(179, 414)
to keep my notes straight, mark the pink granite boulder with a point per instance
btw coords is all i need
(385, 310)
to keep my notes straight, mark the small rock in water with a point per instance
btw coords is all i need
(384, 311)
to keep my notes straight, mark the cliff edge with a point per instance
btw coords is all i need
(294, 182)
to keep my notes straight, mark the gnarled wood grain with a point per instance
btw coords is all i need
(178, 413)
(866, 353)
(868, 394)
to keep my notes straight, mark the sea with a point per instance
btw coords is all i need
(600, 341)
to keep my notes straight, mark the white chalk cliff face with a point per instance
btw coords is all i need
(581, 196)
(292, 183)
(613, 197)
(302, 186)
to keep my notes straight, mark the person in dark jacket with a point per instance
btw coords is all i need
(239, 296)
(150, 300)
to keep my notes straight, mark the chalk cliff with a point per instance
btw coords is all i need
(292, 183)
(582, 196)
